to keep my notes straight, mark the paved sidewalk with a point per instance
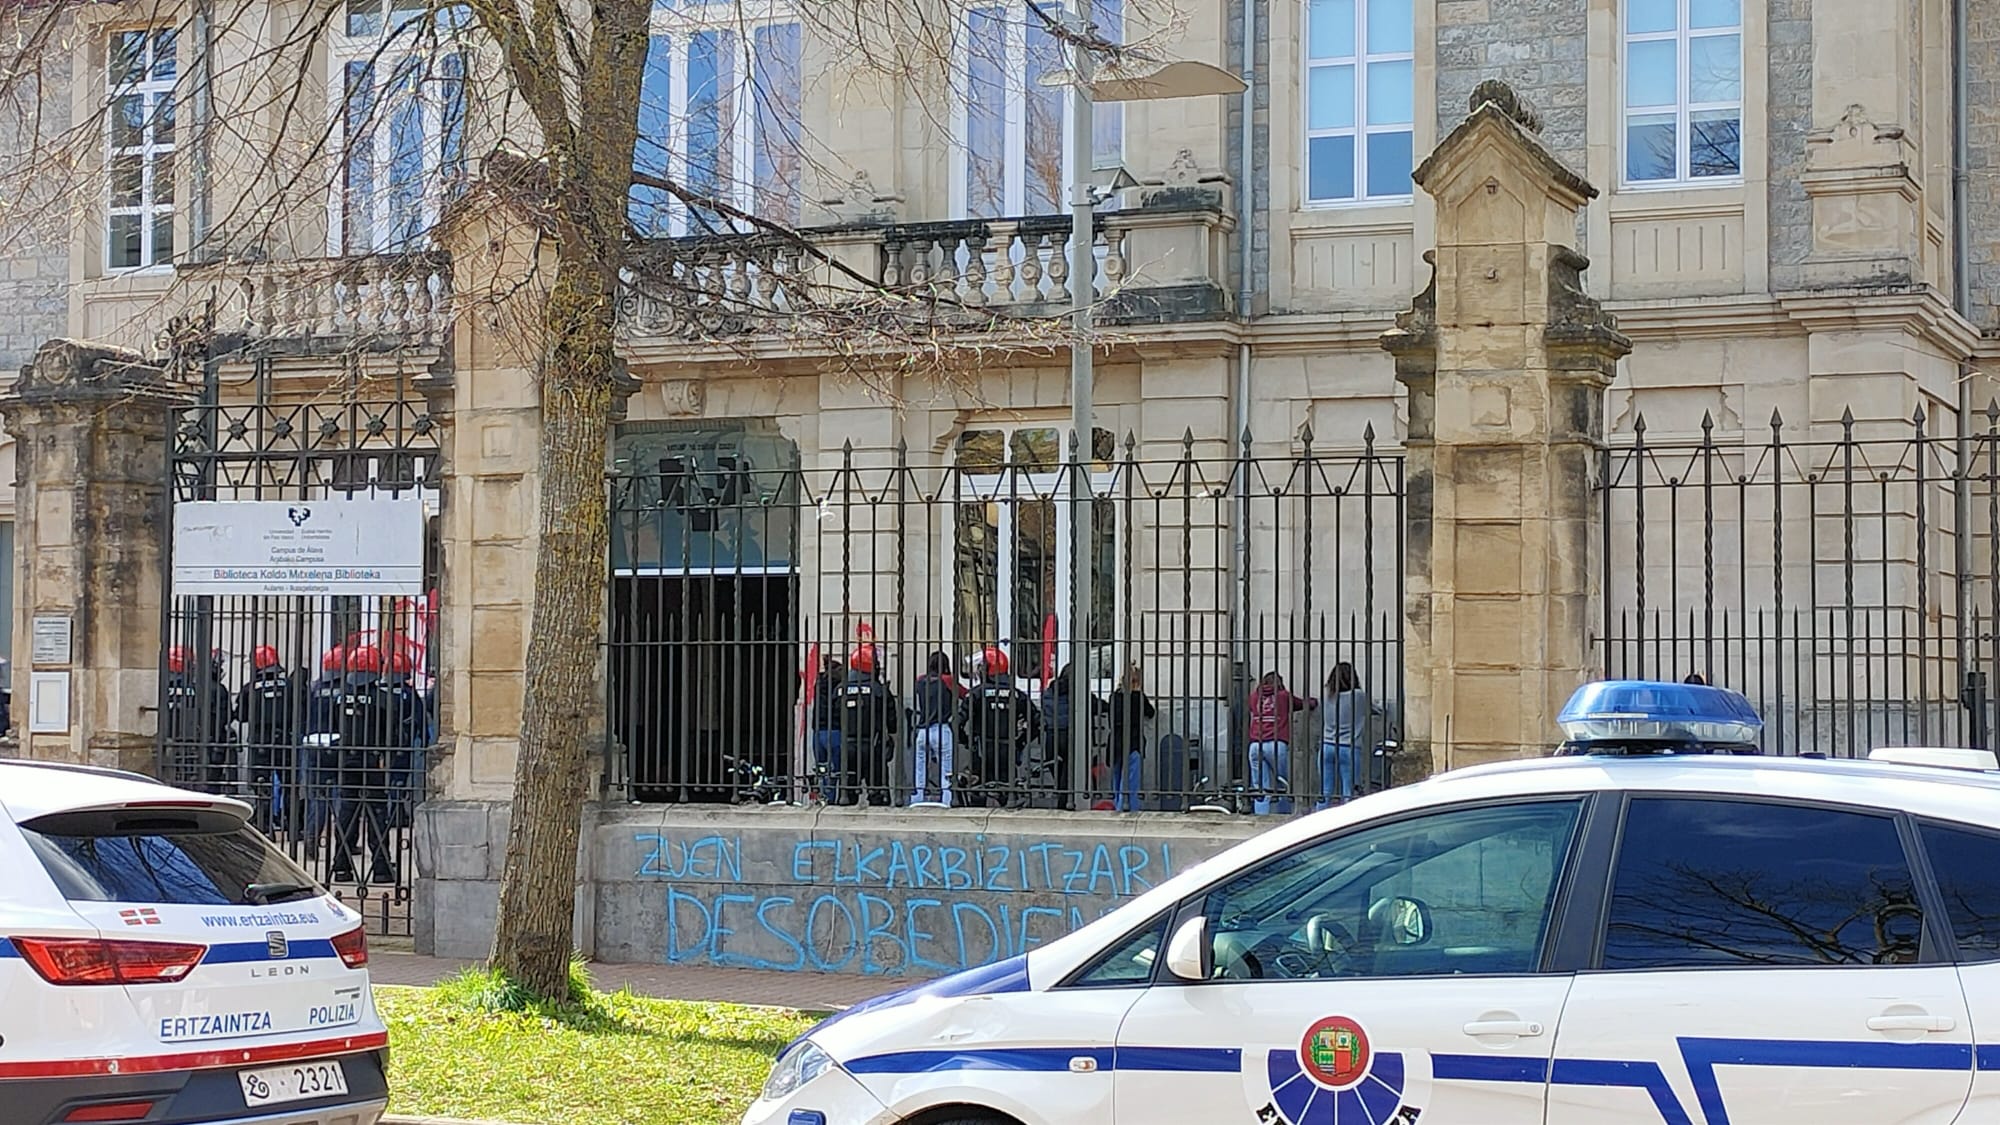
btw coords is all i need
(811, 991)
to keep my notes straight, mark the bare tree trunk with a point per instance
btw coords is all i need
(533, 939)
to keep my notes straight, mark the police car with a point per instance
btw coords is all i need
(1653, 926)
(160, 962)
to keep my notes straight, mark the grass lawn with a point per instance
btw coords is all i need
(464, 1050)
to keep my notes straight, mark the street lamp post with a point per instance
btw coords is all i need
(1183, 79)
(1082, 394)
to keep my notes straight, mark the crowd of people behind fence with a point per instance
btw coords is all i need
(334, 761)
(989, 743)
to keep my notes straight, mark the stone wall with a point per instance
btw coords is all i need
(1539, 47)
(1983, 163)
(878, 893)
(34, 223)
(1789, 117)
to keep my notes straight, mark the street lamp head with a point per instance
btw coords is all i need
(1184, 79)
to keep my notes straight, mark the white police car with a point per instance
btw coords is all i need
(160, 962)
(1633, 931)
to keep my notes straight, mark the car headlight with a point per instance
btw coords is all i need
(796, 1067)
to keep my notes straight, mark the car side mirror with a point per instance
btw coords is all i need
(1186, 949)
(1406, 922)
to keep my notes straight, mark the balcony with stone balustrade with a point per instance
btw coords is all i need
(1164, 262)
(373, 303)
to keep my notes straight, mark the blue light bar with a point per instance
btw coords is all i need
(1641, 716)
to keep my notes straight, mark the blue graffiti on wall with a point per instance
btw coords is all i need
(950, 908)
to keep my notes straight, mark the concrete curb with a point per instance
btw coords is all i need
(410, 1119)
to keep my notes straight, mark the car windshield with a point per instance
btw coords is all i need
(111, 857)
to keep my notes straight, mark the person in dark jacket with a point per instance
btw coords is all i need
(319, 750)
(268, 710)
(199, 714)
(1059, 719)
(934, 707)
(367, 721)
(999, 720)
(409, 735)
(869, 720)
(1131, 709)
(827, 758)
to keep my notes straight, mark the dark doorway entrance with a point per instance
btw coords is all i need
(704, 679)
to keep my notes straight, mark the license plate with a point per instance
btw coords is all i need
(292, 1083)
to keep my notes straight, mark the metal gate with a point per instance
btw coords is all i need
(259, 694)
(1843, 579)
(753, 596)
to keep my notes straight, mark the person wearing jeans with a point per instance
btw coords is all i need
(935, 703)
(1130, 709)
(826, 740)
(1272, 706)
(1343, 731)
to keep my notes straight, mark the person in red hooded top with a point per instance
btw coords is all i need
(1272, 706)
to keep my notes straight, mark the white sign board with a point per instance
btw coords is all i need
(309, 547)
(48, 703)
(51, 642)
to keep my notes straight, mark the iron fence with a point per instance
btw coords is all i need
(895, 632)
(318, 710)
(1843, 580)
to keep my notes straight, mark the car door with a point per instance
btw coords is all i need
(1763, 963)
(1390, 971)
(1965, 865)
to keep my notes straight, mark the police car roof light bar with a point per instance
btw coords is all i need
(1642, 718)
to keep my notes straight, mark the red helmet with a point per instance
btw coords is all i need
(366, 658)
(399, 663)
(862, 659)
(994, 660)
(177, 658)
(264, 657)
(335, 659)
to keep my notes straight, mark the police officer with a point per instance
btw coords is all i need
(319, 755)
(268, 709)
(197, 712)
(868, 723)
(366, 722)
(409, 732)
(999, 720)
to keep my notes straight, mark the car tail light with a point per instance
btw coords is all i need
(111, 1111)
(96, 961)
(352, 947)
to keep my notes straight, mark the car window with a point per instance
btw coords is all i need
(1130, 961)
(108, 858)
(1720, 884)
(1464, 891)
(1967, 867)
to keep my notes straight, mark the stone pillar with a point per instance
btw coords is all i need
(1506, 360)
(91, 424)
(486, 385)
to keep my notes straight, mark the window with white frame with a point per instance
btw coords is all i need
(1360, 99)
(140, 72)
(1010, 580)
(1012, 127)
(1683, 90)
(398, 100)
(720, 115)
